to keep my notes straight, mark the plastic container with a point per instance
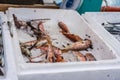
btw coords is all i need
(106, 66)
(82, 6)
(90, 6)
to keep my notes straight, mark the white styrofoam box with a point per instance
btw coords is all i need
(107, 58)
(97, 18)
(10, 68)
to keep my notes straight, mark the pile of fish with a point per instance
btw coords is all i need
(113, 28)
(42, 49)
(1, 54)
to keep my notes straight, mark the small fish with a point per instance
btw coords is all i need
(29, 43)
(19, 23)
(50, 55)
(90, 57)
(80, 56)
(72, 37)
(79, 45)
(25, 51)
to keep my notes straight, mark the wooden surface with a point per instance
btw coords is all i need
(4, 7)
(24, 2)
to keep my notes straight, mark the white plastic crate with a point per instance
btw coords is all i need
(106, 66)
